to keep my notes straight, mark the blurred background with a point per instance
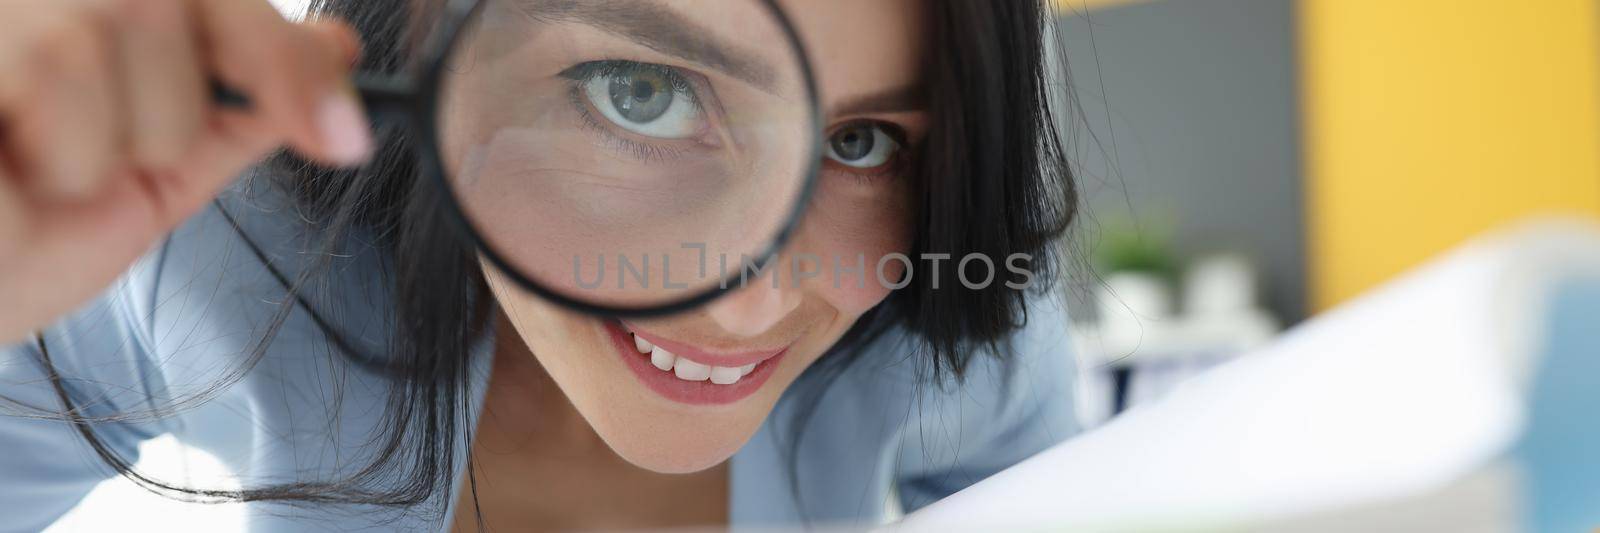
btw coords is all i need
(1247, 164)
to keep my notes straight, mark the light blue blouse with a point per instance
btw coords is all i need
(185, 317)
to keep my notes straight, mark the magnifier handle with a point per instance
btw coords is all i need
(227, 98)
(383, 98)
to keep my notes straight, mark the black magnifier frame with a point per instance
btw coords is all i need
(412, 102)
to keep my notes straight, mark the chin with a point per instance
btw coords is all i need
(679, 444)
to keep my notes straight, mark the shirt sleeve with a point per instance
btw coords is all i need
(1007, 409)
(99, 353)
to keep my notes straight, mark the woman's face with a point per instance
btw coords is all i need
(726, 363)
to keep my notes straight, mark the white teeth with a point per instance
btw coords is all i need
(662, 358)
(691, 371)
(722, 375)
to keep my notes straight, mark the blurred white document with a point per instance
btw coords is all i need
(1406, 390)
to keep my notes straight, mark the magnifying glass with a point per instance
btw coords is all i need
(621, 158)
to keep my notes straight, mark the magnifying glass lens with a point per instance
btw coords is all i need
(626, 154)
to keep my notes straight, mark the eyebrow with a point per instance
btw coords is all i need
(661, 29)
(912, 97)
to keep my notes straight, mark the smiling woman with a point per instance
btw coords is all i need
(372, 348)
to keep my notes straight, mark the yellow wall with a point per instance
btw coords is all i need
(1430, 120)
(1079, 6)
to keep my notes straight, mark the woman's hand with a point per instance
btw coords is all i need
(109, 136)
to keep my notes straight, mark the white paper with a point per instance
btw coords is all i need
(1402, 391)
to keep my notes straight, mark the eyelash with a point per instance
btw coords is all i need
(891, 169)
(578, 75)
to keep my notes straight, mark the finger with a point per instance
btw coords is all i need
(16, 79)
(340, 37)
(295, 76)
(65, 123)
(165, 96)
(230, 143)
(345, 134)
(12, 218)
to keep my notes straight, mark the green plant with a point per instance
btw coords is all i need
(1132, 248)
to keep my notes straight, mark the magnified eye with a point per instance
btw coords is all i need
(647, 99)
(862, 145)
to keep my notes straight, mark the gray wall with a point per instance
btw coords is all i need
(1197, 125)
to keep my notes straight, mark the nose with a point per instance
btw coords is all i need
(756, 307)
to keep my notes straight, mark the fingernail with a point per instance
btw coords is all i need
(344, 129)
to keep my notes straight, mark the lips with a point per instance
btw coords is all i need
(688, 370)
(688, 374)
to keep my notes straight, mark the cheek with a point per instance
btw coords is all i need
(850, 230)
(556, 338)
